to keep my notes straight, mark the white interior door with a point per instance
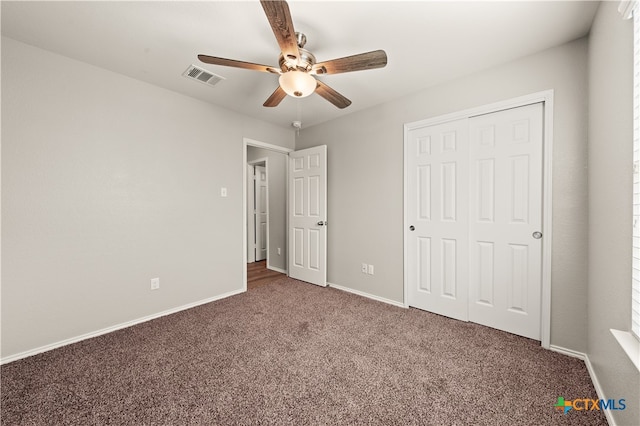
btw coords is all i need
(474, 201)
(261, 216)
(438, 216)
(308, 215)
(251, 213)
(506, 210)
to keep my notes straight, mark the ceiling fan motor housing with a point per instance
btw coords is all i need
(304, 63)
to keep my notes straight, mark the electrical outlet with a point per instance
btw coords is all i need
(279, 252)
(155, 283)
(364, 268)
(223, 192)
(370, 270)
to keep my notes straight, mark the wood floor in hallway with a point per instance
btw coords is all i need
(258, 274)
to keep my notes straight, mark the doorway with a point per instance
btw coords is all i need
(272, 222)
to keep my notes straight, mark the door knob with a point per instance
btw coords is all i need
(321, 223)
(412, 228)
(537, 235)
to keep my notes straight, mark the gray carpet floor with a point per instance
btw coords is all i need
(291, 353)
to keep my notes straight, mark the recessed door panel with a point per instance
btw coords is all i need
(485, 277)
(298, 200)
(297, 164)
(424, 145)
(449, 267)
(314, 161)
(449, 191)
(314, 249)
(449, 141)
(298, 248)
(424, 192)
(424, 264)
(519, 278)
(486, 190)
(314, 196)
(520, 131)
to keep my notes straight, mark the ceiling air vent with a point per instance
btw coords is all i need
(202, 76)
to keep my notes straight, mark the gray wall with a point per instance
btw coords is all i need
(365, 179)
(277, 186)
(108, 182)
(610, 210)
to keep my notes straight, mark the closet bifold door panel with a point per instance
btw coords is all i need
(438, 196)
(505, 257)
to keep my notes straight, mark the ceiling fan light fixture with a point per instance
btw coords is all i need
(297, 83)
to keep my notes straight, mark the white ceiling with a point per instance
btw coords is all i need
(427, 43)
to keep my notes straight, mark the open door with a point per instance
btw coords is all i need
(260, 216)
(308, 215)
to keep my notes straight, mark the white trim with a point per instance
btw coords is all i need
(547, 222)
(592, 374)
(626, 8)
(116, 327)
(275, 268)
(534, 98)
(599, 390)
(245, 217)
(270, 266)
(251, 249)
(265, 145)
(635, 195)
(630, 345)
(546, 97)
(367, 295)
(568, 352)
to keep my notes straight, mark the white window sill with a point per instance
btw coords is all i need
(630, 345)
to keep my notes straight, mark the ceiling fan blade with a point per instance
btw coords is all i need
(276, 97)
(237, 64)
(363, 61)
(280, 20)
(332, 96)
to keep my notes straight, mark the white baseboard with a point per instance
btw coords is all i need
(592, 374)
(367, 295)
(569, 352)
(120, 326)
(599, 391)
(274, 268)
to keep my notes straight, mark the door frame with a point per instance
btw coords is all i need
(546, 97)
(276, 148)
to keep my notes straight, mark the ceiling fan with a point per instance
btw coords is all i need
(298, 66)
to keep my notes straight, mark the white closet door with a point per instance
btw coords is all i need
(505, 264)
(437, 238)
